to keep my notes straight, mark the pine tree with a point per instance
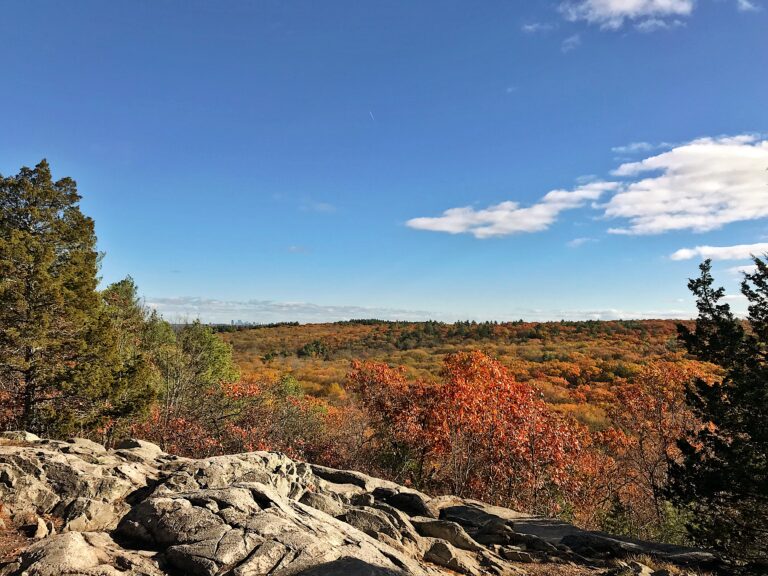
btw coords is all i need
(136, 378)
(723, 477)
(57, 346)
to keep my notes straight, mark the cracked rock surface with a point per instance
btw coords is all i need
(136, 511)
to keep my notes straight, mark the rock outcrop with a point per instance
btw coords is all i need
(136, 511)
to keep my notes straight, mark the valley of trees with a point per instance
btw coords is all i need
(649, 429)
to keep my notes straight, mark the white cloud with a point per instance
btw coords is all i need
(537, 27)
(734, 297)
(509, 217)
(184, 309)
(634, 148)
(613, 14)
(654, 24)
(571, 43)
(576, 242)
(700, 186)
(747, 6)
(738, 252)
(749, 269)
(266, 311)
(544, 315)
(314, 206)
(645, 15)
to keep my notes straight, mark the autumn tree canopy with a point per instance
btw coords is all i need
(478, 432)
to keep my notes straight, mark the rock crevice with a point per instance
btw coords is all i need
(136, 511)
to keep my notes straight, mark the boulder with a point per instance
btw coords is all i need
(20, 436)
(263, 513)
(77, 481)
(443, 554)
(82, 554)
(322, 502)
(446, 530)
(411, 502)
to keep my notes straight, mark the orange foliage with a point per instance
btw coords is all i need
(480, 432)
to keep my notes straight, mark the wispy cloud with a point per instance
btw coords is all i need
(738, 252)
(644, 15)
(626, 151)
(613, 14)
(654, 24)
(509, 217)
(544, 315)
(570, 43)
(634, 148)
(747, 6)
(577, 242)
(538, 27)
(265, 311)
(315, 206)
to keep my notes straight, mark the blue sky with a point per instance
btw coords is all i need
(310, 161)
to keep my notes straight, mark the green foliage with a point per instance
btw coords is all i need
(288, 387)
(57, 344)
(314, 349)
(724, 472)
(194, 365)
(135, 378)
(670, 527)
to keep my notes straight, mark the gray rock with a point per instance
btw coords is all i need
(59, 478)
(495, 531)
(134, 444)
(81, 554)
(261, 512)
(412, 503)
(445, 555)
(515, 555)
(87, 514)
(371, 521)
(20, 436)
(251, 528)
(323, 503)
(451, 532)
(87, 445)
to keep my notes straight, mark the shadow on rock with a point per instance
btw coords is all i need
(347, 567)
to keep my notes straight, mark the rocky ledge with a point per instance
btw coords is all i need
(135, 510)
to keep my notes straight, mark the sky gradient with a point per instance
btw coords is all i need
(314, 161)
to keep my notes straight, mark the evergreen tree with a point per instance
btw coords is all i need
(136, 377)
(57, 346)
(723, 476)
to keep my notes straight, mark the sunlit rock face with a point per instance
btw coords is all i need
(135, 510)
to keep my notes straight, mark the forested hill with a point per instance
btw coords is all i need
(570, 362)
